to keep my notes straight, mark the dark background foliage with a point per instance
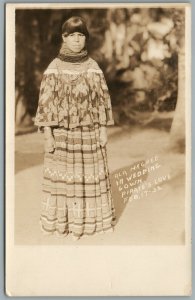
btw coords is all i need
(136, 48)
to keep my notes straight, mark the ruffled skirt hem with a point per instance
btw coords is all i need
(74, 236)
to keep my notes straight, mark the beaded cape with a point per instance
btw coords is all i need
(73, 94)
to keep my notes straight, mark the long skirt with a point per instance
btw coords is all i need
(77, 195)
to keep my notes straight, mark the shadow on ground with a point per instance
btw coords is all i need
(158, 219)
(123, 180)
(27, 160)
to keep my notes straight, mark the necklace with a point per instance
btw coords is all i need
(73, 72)
(65, 54)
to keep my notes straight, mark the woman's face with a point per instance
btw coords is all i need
(75, 41)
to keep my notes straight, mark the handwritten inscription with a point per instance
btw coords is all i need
(131, 182)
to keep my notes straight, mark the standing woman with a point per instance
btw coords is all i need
(74, 110)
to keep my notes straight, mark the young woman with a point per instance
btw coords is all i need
(73, 111)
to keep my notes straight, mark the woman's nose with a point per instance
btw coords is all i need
(76, 38)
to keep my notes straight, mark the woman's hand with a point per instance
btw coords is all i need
(103, 136)
(49, 140)
(49, 144)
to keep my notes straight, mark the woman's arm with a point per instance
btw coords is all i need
(49, 139)
(103, 135)
(47, 110)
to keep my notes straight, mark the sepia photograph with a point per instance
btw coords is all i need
(98, 123)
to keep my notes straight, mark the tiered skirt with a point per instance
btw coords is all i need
(77, 195)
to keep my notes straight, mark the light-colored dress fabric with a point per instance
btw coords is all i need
(77, 195)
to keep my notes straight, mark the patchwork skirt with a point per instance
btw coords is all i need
(77, 195)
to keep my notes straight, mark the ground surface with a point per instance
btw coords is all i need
(157, 219)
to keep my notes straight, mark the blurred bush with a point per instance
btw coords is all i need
(137, 49)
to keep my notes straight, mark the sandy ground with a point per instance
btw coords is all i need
(156, 219)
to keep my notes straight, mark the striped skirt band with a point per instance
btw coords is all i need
(77, 195)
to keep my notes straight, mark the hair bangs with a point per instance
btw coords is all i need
(75, 24)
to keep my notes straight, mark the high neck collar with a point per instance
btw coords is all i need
(67, 55)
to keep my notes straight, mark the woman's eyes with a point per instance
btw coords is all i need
(79, 34)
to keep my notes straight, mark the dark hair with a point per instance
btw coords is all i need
(75, 24)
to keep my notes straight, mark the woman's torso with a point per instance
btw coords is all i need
(80, 94)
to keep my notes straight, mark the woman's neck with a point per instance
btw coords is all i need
(65, 54)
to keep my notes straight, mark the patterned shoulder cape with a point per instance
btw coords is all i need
(73, 94)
